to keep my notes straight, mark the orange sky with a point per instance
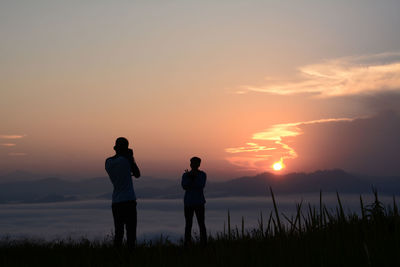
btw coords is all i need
(239, 84)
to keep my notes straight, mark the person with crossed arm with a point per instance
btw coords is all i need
(193, 182)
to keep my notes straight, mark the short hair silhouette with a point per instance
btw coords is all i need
(195, 162)
(121, 143)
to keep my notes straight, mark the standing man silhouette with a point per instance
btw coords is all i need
(193, 182)
(120, 168)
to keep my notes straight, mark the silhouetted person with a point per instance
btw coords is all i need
(121, 167)
(193, 182)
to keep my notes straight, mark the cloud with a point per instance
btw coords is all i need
(360, 75)
(14, 136)
(251, 147)
(274, 147)
(367, 145)
(7, 144)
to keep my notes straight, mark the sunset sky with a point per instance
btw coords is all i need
(241, 84)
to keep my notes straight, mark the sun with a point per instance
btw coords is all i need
(277, 166)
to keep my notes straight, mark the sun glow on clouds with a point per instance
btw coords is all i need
(13, 136)
(7, 144)
(257, 156)
(357, 75)
(251, 147)
(11, 145)
(340, 77)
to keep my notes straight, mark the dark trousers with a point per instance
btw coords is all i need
(125, 215)
(189, 212)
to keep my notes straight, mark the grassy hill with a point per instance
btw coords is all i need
(318, 237)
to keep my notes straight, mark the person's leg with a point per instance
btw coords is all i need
(200, 215)
(189, 211)
(131, 223)
(118, 224)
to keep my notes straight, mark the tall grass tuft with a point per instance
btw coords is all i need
(276, 211)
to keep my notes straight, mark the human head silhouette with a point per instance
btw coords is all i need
(195, 163)
(121, 145)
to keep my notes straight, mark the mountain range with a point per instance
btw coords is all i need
(23, 190)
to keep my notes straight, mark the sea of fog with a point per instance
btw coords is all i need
(92, 219)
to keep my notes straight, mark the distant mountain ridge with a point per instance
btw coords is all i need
(55, 189)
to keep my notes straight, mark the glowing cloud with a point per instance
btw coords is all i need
(251, 147)
(7, 144)
(256, 156)
(14, 136)
(340, 77)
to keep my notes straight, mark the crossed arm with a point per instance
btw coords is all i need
(193, 182)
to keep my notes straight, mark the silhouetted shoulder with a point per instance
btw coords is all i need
(111, 161)
(111, 158)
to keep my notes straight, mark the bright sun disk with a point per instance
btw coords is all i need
(278, 166)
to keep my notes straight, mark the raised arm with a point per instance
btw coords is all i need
(134, 168)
